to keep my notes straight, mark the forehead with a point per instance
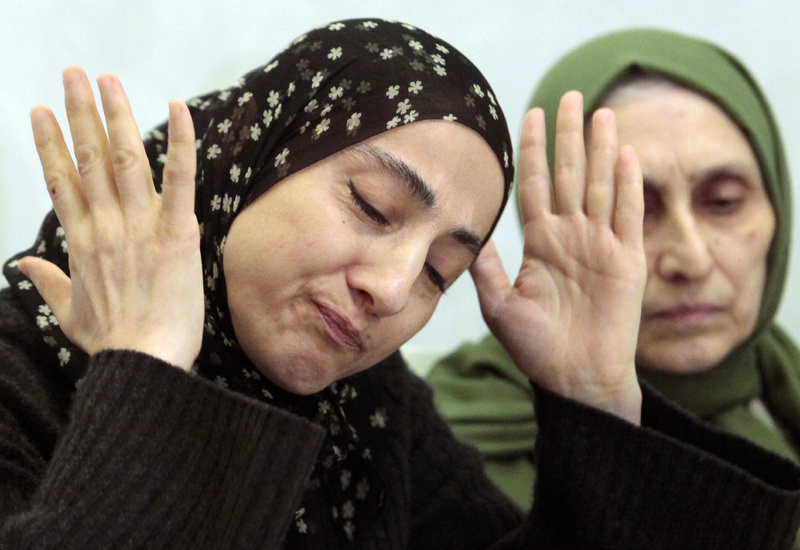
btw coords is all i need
(453, 161)
(678, 121)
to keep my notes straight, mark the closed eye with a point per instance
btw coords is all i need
(724, 205)
(725, 190)
(435, 277)
(375, 215)
(371, 212)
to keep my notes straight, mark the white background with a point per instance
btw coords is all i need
(163, 49)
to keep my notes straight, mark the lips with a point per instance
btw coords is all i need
(696, 313)
(339, 328)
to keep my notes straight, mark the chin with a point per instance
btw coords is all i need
(682, 355)
(307, 372)
(302, 381)
(678, 362)
(679, 369)
(296, 376)
(303, 388)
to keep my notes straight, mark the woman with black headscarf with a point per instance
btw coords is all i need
(339, 190)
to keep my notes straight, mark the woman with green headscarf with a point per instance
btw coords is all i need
(717, 233)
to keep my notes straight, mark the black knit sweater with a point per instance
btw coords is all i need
(143, 455)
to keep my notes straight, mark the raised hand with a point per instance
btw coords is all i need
(135, 268)
(570, 321)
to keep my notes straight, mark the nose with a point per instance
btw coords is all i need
(683, 250)
(386, 275)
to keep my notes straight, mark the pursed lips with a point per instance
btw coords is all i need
(339, 328)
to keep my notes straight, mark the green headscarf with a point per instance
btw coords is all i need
(766, 365)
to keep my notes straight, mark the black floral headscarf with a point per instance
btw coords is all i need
(331, 88)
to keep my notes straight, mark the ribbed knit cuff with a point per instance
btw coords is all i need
(605, 483)
(155, 457)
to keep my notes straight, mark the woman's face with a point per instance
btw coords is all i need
(338, 265)
(707, 229)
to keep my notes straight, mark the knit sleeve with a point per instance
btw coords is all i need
(671, 483)
(153, 457)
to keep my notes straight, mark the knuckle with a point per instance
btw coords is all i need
(79, 105)
(174, 174)
(55, 180)
(105, 238)
(183, 233)
(88, 157)
(102, 249)
(123, 159)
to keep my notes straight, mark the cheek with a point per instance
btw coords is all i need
(745, 253)
(759, 243)
(744, 261)
(400, 328)
(425, 307)
(758, 240)
(756, 235)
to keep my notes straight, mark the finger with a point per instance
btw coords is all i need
(535, 193)
(491, 280)
(629, 207)
(89, 140)
(570, 155)
(51, 283)
(60, 175)
(602, 158)
(177, 189)
(128, 159)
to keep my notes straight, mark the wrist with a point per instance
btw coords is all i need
(625, 404)
(622, 398)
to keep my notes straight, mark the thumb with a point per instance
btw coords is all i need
(51, 282)
(491, 280)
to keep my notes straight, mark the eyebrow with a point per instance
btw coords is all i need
(420, 190)
(470, 240)
(398, 170)
(728, 169)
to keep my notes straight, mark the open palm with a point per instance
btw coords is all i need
(570, 320)
(135, 271)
